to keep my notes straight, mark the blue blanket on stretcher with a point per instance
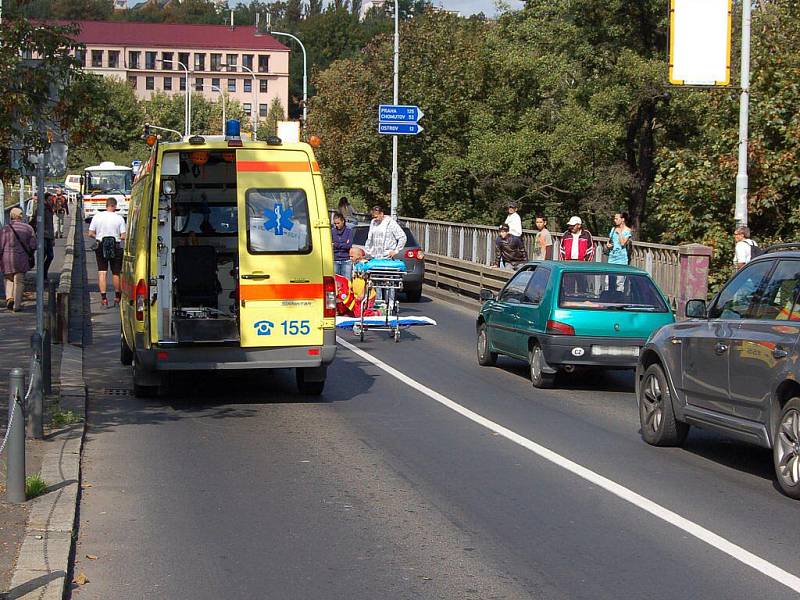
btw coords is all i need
(405, 321)
(380, 263)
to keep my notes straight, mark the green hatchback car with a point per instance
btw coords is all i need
(562, 315)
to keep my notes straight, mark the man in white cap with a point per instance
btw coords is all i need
(577, 242)
(513, 220)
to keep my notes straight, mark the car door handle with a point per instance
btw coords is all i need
(780, 353)
(721, 348)
(255, 276)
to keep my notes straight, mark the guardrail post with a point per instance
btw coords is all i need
(488, 249)
(475, 246)
(461, 243)
(15, 441)
(648, 262)
(449, 241)
(427, 237)
(695, 260)
(35, 426)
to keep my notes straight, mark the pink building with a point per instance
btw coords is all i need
(147, 55)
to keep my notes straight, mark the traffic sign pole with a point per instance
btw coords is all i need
(395, 191)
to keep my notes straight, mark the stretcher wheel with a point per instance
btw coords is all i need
(396, 336)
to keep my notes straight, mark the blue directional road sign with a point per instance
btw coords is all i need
(399, 128)
(399, 113)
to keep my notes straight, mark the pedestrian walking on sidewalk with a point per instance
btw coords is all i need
(61, 206)
(576, 243)
(17, 247)
(108, 228)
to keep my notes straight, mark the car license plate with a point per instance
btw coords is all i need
(622, 351)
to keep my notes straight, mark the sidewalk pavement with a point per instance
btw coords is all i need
(36, 536)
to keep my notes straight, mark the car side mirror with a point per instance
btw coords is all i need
(696, 309)
(486, 295)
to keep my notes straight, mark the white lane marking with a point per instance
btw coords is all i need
(701, 533)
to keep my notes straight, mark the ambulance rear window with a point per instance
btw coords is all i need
(277, 222)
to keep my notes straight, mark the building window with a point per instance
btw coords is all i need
(215, 84)
(149, 83)
(133, 81)
(182, 84)
(231, 61)
(216, 62)
(262, 85)
(247, 108)
(198, 84)
(263, 63)
(262, 110)
(167, 84)
(97, 58)
(183, 58)
(113, 59)
(80, 56)
(247, 61)
(199, 61)
(149, 60)
(166, 61)
(231, 85)
(248, 85)
(133, 59)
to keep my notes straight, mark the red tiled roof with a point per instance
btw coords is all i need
(174, 35)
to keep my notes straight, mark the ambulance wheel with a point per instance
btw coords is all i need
(307, 387)
(125, 352)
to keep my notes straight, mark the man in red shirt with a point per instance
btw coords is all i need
(577, 242)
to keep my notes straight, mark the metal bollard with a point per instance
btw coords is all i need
(34, 407)
(47, 363)
(15, 444)
(52, 286)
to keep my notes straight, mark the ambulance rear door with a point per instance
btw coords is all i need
(280, 249)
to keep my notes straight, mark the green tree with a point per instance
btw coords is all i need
(269, 126)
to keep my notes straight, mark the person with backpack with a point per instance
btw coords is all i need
(17, 247)
(61, 205)
(108, 228)
(618, 239)
(745, 249)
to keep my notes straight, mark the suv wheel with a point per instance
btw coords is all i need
(538, 364)
(486, 358)
(786, 449)
(656, 416)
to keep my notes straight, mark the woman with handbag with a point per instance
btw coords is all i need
(17, 247)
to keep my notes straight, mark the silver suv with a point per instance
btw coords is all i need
(733, 366)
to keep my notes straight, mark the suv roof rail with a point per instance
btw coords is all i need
(781, 247)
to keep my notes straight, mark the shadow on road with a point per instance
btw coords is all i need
(585, 379)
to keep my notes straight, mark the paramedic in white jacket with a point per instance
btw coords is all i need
(385, 238)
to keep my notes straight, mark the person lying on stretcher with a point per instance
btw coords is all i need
(350, 294)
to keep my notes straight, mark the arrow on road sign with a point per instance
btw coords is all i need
(399, 113)
(400, 128)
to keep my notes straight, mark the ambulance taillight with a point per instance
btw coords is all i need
(140, 299)
(329, 292)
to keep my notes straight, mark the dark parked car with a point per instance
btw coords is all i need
(412, 255)
(733, 367)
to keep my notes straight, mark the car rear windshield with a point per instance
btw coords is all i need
(610, 291)
(360, 236)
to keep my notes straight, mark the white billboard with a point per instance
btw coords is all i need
(700, 42)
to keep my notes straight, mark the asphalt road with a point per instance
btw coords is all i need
(237, 487)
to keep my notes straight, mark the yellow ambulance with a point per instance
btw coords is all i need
(228, 262)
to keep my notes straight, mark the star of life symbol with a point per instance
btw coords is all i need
(279, 218)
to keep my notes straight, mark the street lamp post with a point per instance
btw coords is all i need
(222, 95)
(253, 113)
(305, 72)
(187, 106)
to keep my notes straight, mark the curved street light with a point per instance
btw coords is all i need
(253, 113)
(305, 72)
(187, 105)
(222, 95)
